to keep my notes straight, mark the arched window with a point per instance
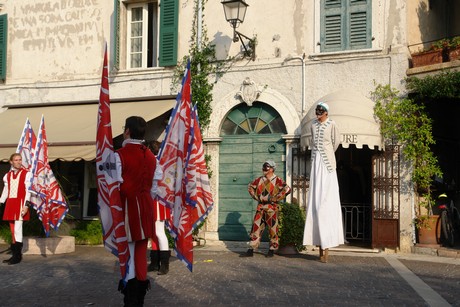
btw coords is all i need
(260, 118)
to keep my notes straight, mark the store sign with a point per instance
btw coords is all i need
(350, 138)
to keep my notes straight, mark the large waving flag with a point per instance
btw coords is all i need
(26, 145)
(50, 205)
(108, 195)
(185, 184)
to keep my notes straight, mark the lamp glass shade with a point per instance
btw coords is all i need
(235, 10)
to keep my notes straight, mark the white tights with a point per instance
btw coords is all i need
(161, 235)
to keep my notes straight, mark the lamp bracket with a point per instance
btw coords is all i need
(251, 51)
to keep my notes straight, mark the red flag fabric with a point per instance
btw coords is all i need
(50, 203)
(108, 195)
(185, 184)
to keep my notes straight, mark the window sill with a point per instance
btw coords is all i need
(345, 54)
(140, 71)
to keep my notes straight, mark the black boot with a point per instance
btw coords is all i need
(9, 259)
(17, 253)
(142, 288)
(164, 262)
(154, 261)
(249, 253)
(130, 292)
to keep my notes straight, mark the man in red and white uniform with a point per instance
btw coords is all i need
(16, 206)
(136, 165)
(160, 253)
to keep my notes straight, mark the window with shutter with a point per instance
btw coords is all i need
(3, 41)
(142, 31)
(345, 25)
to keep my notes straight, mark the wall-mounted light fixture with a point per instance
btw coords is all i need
(235, 11)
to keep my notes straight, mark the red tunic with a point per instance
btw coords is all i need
(160, 212)
(138, 165)
(16, 196)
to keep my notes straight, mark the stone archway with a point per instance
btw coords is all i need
(248, 93)
(266, 95)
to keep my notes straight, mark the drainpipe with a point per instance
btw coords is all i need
(302, 58)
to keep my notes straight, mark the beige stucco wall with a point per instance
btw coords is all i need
(55, 53)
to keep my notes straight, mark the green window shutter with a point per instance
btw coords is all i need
(359, 19)
(116, 34)
(3, 41)
(345, 25)
(332, 31)
(168, 32)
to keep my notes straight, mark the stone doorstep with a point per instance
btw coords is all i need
(449, 253)
(48, 246)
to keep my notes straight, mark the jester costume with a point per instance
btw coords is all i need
(268, 192)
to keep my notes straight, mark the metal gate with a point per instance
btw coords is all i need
(386, 197)
(357, 215)
(300, 176)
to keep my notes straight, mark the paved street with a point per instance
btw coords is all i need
(89, 277)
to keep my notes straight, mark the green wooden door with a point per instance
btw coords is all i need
(240, 162)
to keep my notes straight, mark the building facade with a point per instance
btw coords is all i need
(305, 52)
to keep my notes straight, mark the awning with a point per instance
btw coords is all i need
(71, 129)
(354, 115)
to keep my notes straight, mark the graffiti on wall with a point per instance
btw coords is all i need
(52, 25)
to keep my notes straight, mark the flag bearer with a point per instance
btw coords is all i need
(16, 206)
(135, 168)
(160, 253)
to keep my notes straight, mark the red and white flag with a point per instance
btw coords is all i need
(26, 145)
(185, 184)
(50, 203)
(108, 195)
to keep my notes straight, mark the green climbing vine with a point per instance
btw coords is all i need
(404, 122)
(202, 65)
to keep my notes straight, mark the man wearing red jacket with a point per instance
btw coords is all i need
(16, 207)
(135, 168)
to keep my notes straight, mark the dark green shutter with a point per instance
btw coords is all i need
(332, 31)
(359, 18)
(169, 10)
(3, 41)
(116, 28)
(345, 25)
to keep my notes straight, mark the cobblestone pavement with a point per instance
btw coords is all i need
(89, 277)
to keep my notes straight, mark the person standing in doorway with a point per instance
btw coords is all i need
(323, 225)
(160, 253)
(136, 166)
(17, 205)
(267, 190)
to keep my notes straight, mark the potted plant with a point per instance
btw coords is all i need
(432, 55)
(454, 49)
(291, 227)
(407, 123)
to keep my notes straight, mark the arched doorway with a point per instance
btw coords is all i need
(250, 135)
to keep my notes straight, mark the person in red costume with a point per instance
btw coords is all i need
(160, 253)
(136, 166)
(16, 207)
